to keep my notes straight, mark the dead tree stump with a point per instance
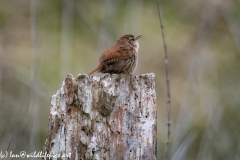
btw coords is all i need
(108, 117)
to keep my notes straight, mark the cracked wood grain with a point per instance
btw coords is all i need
(110, 117)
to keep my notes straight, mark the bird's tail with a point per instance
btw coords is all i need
(95, 70)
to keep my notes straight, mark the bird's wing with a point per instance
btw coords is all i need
(117, 60)
(115, 55)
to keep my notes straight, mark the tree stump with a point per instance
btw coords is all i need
(108, 117)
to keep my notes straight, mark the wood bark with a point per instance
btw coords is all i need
(108, 117)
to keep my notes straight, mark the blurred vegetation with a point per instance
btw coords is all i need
(42, 41)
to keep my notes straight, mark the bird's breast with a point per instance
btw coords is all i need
(136, 46)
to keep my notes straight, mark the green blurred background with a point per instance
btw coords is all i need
(41, 41)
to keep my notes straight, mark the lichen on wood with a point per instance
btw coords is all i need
(110, 117)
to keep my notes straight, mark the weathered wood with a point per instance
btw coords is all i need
(108, 117)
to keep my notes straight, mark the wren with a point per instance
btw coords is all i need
(121, 57)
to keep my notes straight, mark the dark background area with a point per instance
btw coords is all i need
(41, 41)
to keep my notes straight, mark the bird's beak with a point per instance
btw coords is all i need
(138, 37)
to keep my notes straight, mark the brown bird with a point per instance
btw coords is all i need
(120, 58)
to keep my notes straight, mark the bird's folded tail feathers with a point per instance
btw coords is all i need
(95, 70)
